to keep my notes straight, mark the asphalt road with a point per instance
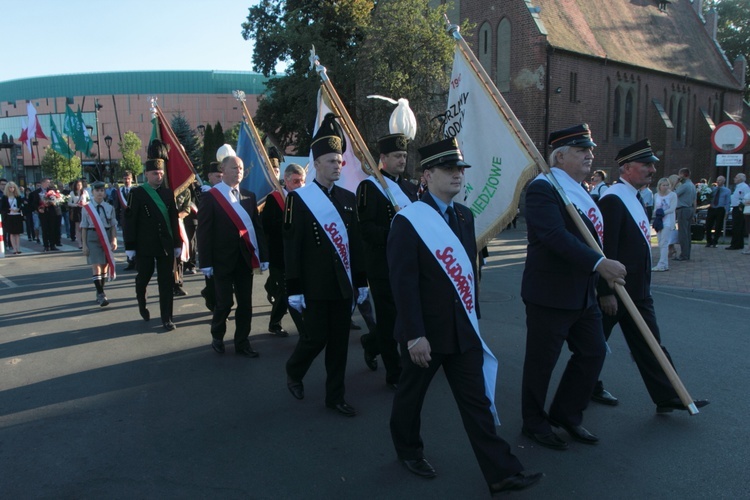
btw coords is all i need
(97, 403)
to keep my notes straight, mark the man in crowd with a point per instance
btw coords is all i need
(717, 212)
(152, 238)
(375, 212)
(627, 238)
(598, 184)
(120, 202)
(214, 175)
(738, 220)
(432, 257)
(272, 219)
(324, 270)
(559, 291)
(47, 215)
(231, 246)
(686, 196)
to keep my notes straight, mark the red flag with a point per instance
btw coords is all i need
(39, 132)
(180, 170)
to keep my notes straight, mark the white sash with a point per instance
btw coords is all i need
(123, 200)
(580, 199)
(451, 256)
(101, 233)
(401, 199)
(627, 194)
(226, 191)
(330, 220)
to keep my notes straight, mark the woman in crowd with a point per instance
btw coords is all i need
(674, 179)
(665, 204)
(78, 198)
(11, 207)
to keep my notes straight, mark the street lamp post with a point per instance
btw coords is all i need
(108, 142)
(97, 107)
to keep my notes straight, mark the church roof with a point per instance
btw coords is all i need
(636, 32)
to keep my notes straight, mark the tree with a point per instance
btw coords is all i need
(186, 135)
(231, 135)
(209, 151)
(416, 68)
(131, 160)
(733, 31)
(219, 135)
(285, 31)
(59, 167)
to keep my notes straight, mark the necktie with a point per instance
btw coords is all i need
(235, 193)
(100, 210)
(452, 221)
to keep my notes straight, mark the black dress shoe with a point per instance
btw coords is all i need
(517, 482)
(550, 440)
(218, 345)
(179, 291)
(169, 326)
(344, 408)
(577, 432)
(144, 313)
(604, 397)
(371, 360)
(277, 331)
(296, 388)
(676, 404)
(421, 467)
(248, 352)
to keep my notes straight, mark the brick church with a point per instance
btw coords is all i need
(629, 68)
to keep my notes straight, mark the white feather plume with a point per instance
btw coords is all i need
(224, 151)
(402, 119)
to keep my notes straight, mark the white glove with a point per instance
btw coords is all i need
(297, 302)
(264, 266)
(177, 252)
(207, 271)
(130, 254)
(362, 294)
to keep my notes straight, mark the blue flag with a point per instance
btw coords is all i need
(256, 175)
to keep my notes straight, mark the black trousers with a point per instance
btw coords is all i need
(326, 327)
(547, 329)
(47, 221)
(657, 383)
(276, 287)
(738, 228)
(464, 374)
(240, 284)
(190, 229)
(382, 341)
(714, 224)
(145, 264)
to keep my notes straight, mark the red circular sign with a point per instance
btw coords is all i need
(729, 137)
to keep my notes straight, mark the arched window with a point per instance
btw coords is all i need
(503, 56)
(616, 113)
(679, 129)
(628, 124)
(485, 47)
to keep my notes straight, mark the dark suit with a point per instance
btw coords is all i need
(146, 232)
(47, 218)
(221, 247)
(375, 214)
(272, 220)
(119, 207)
(429, 306)
(623, 241)
(314, 269)
(559, 291)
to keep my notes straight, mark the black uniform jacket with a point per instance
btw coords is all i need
(145, 229)
(313, 267)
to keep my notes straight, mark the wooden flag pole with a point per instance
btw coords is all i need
(240, 96)
(627, 301)
(340, 110)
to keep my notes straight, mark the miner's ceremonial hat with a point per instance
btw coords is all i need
(443, 153)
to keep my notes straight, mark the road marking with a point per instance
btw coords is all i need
(8, 283)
